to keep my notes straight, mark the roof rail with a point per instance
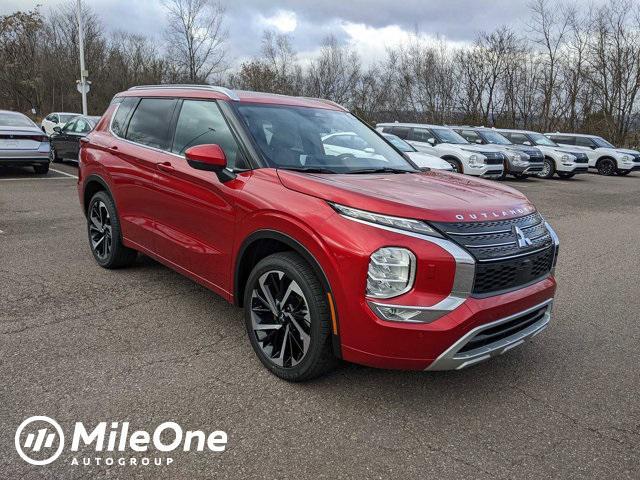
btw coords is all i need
(328, 102)
(225, 91)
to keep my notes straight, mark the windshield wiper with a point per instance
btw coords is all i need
(380, 170)
(308, 169)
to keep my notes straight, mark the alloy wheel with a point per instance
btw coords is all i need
(280, 319)
(607, 167)
(100, 232)
(546, 169)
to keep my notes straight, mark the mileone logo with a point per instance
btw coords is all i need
(39, 440)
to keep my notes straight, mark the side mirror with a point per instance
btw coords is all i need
(594, 147)
(57, 129)
(210, 158)
(431, 141)
(479, 141)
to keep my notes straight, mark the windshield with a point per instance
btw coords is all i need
(446, 135)
(601, 142)
(399, 143)
(540, 139)
(495, 138)
(15, 120)
(320, 140)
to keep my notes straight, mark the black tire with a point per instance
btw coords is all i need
(286, 344)
(622, 173)
(114, 254)
(53, 155)
(41, 169)
(566, 175)
(548, 168)
(455, 164)
(606, 167)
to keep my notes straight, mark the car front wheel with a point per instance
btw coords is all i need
(105, 236)
(606, 167)
(288, 319)
(548, 169)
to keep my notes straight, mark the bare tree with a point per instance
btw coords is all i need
(196, 39)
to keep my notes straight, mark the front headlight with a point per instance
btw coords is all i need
(407, 224)
(626, 159)
(565, 158)
(391, 272)
(476, 160)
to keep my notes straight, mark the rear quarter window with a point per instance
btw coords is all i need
(119, 123)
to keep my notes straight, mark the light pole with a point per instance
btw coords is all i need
(83, 86)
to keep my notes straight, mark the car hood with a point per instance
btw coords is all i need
(628, 151)
(526, 149)
(423, 159)
(435, 195)
(473, 147)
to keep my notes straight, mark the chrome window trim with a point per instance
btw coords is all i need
(463, 278)
(178, 86)
(449, 361)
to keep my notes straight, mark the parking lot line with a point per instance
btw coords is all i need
(63, 173)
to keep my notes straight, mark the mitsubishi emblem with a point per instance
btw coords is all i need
(522, 240)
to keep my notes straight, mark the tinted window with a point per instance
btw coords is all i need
(149, 124)
(201, 122)
(420, 135)
(69, 126)
(402, 132)
(119, 123)
(82, 126)
(469, 135)
(583, 142)
(517, 138)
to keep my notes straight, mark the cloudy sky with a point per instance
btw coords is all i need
(367, 25)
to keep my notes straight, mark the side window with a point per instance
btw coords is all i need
(420, 135)
(517, 138)
(583, 142)
(53, 118)
(70, 126)
(149, 124)
(470, 136)
(565, 140)
(402, 132)
(201, 122)
(82, 126)
(119, 122)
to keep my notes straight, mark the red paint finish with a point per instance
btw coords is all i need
(193, 222)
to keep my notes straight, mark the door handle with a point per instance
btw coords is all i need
(113, 147)
(165, 167)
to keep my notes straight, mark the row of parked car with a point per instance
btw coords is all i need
(478, 151)
(496, 153)
(25, 144)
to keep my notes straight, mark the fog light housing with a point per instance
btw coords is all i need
(391, 272)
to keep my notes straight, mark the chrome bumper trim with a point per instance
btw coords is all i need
(451, 359)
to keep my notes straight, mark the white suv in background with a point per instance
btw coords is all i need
(421, 159)
(603, 156)
(566, 162)
(56, 119)
(464, 157)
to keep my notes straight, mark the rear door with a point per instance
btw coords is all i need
(419, 137)
(195, 210)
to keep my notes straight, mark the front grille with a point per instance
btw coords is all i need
(504, 330)
(504, 264)
(581, 157)
(493, 158)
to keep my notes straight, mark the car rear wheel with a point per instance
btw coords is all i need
(606, 167)
(548, 169)
(105, 236)
(288, 319)
(41, 169)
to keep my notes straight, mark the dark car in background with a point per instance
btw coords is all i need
(65, 141)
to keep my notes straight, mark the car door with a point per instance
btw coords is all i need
(586, 145)
(81, 128)
(63, 140)
(195, 209)
(140, 140)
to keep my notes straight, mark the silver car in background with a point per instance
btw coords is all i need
(22, 143)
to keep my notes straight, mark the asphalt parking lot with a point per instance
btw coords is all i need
(79, 343)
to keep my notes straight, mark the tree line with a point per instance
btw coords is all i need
(569, 67)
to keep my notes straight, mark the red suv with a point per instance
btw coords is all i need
(334, 249)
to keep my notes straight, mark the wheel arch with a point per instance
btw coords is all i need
(262, 243)
(92, 185)
(606, 157)
(453, 158)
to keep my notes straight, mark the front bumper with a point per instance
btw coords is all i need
(494, 338)
(632, 167)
